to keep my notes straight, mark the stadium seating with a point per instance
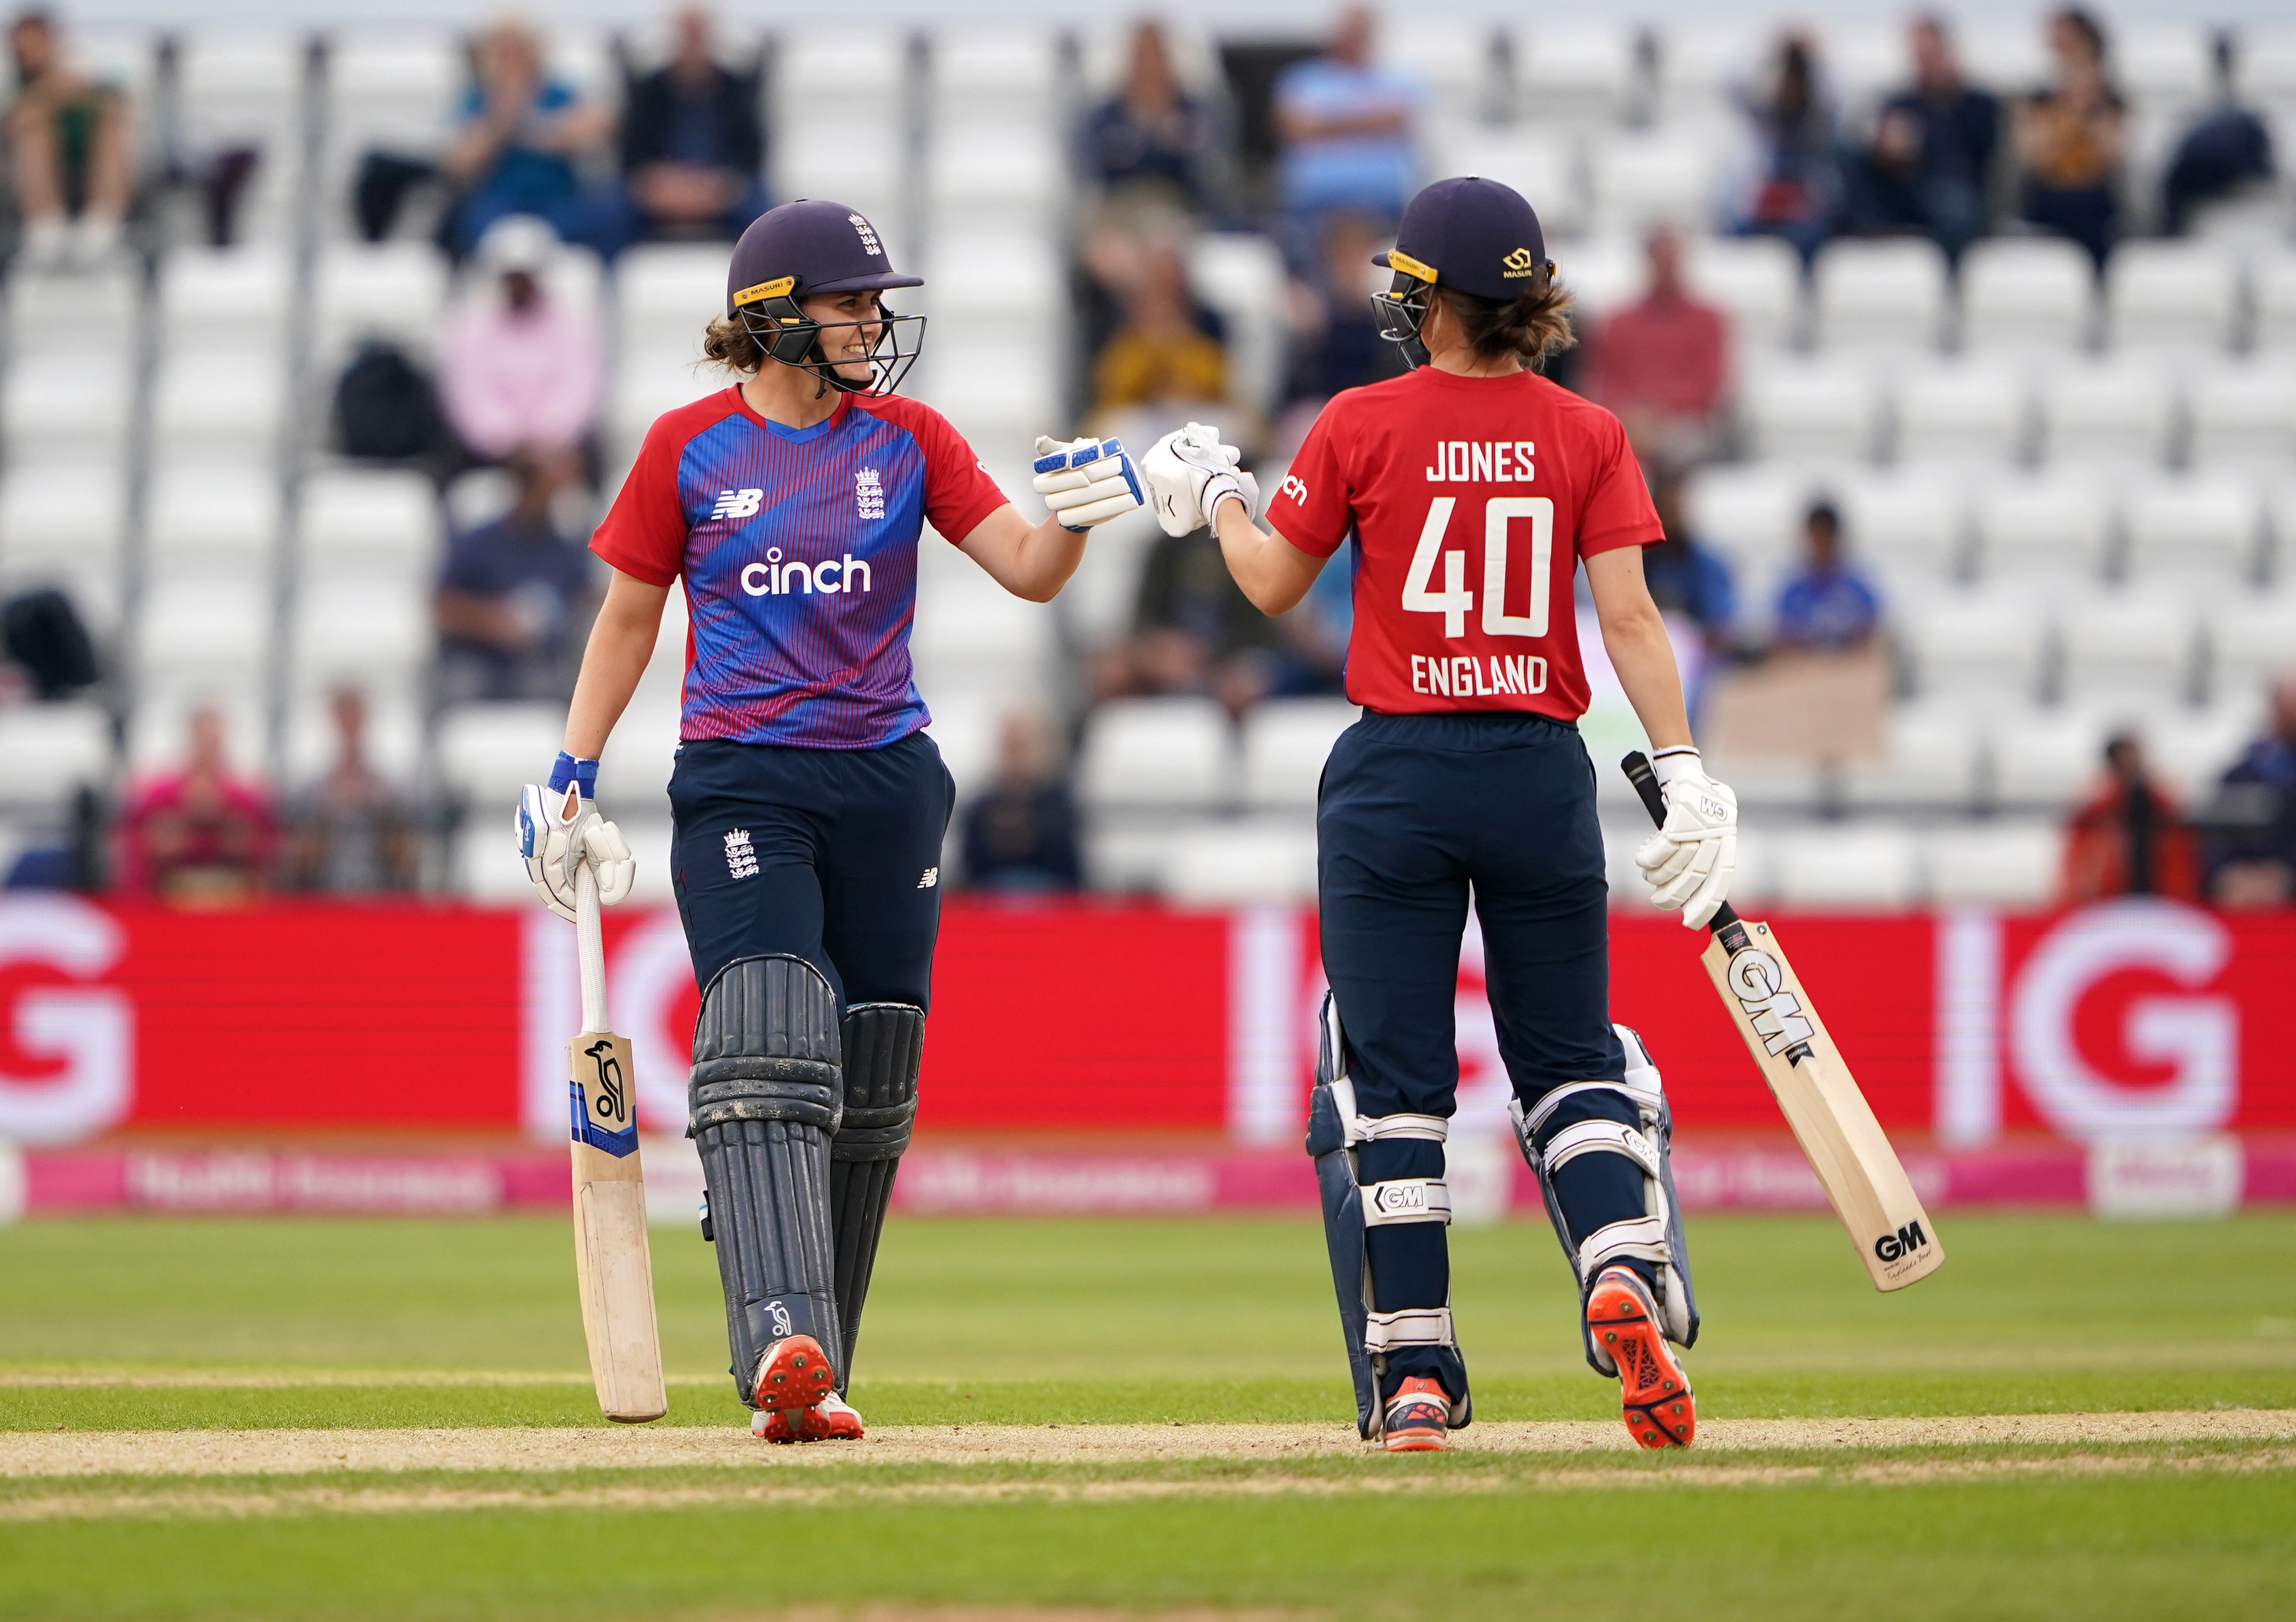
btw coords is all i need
(2077, 493)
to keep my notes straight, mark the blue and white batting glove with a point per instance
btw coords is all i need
(1086, 483)
(559, 827)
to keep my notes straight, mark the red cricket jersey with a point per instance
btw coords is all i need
(1471, 500)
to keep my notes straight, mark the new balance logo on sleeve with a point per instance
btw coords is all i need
(930, 880)
(738, 504)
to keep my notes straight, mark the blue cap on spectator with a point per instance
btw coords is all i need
(1474, 236)
(806, 247)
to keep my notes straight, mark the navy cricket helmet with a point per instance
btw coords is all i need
(802, 249)
(1471, 234)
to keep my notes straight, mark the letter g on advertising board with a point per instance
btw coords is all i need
(80, 1039)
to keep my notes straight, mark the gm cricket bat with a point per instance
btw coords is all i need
(1830, 1119)
(611, 1264)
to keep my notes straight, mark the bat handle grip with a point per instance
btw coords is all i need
(1639, 773)
(590, 947)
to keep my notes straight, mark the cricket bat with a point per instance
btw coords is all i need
(612, 1264)
(1819, 1098)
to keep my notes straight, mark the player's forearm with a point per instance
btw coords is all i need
(1269, 570)
(621, 641)
(1030, 562)
(1642, 655)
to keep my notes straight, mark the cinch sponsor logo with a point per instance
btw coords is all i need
(1464, 676)
(1904, 1242)
(737, 504)
(830, 576)
(1774, 1013)
(1481, 461)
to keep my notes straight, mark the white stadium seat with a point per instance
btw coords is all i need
(2026, 294)
(63, 510)
(1285, 743)
(200, 512)
(1241, 274)
(2010, 863)
(1965, 412)
(1575, 72)
(986, 71)
(159, 729)
(212, 297)
(2131, 649)
(215, 400)
(2179, 297)
(2200, 526)
(674, 287)
(360, 633)
(2251, 638)
(1011, 169)
(203, 631)
(634, 770)
(1811, 411)
(1885, 296)
(1603, 275)
(2272, 283)
(1976, 646)
(1754, 280)
(971, 633)
(2117, 413)
(369, 524)
(2192, 750)
(488, 752)
(395, 291)
(1858, 867)
(52, 749)
(391, 741)
(61, 403)
(1907, 526)
(1929, 761)
(2053, 527)
(1168, 752)
(1235, 863)
(2044, 759)
(2166, 65)
(1752, 511)
(2244, 417)
(1640, 180)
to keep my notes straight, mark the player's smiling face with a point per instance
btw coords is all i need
(851, 325)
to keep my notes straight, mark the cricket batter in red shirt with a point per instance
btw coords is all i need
(1473, 489)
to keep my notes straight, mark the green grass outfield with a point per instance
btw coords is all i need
(214, 1326)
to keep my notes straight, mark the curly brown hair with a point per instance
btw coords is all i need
(729, 343)
(1534, 327)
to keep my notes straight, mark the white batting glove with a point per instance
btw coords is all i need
(558, 830)
(1690, 859)
(1085, 482)
(1189, 473)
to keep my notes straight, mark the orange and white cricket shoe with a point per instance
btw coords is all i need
(832, 1419)
(1654, 1391)
(794, 1372)
(1418, 1418)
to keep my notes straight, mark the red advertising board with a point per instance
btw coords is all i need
(2127, 1019)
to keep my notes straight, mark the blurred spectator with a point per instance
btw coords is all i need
(68, 152)
(693, 143)
(1826, 604)
(1663, 365)
(1151, 137)
(348, 834)
(1314, 660)
(2224, 153)
(201, 836)
(2068, 141)
(1932, 150)
(522, 135)
(513, 597)
(386, 408)
(1794, 188)
(1020, 834)
(1193, 630)
(2252, 848)
(1335, 341)
(1346, 125)
(1167, 351)
(518, 369)
(2127, 838)
(1686, 577)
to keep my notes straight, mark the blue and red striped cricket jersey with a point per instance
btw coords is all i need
(799, 550)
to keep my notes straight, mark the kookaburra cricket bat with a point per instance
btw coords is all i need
(612, 1264)
(1830, 1119)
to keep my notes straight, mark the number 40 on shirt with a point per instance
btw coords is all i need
(1456, 600)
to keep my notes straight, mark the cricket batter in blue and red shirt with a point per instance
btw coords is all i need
(1473, 490)
(809, 804)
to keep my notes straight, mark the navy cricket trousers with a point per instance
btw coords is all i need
(1416, 813)
(831, 855)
